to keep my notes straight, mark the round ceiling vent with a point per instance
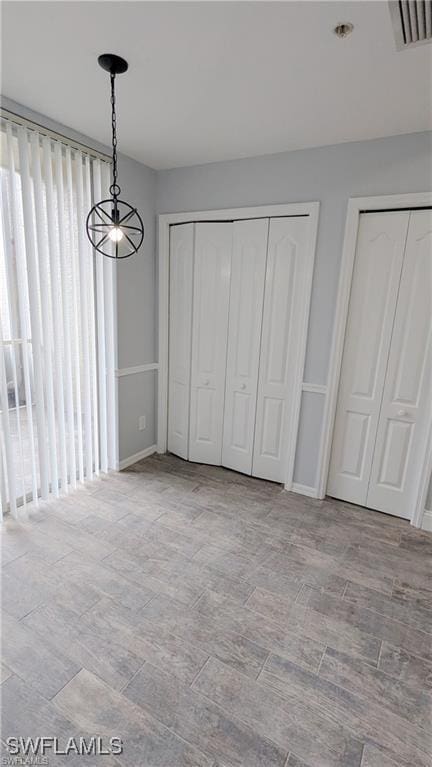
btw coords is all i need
(343, 29)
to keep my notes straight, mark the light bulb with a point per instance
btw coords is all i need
(115, 234)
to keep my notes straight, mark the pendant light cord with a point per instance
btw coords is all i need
(115, 189)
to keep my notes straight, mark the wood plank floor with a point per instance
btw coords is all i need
(212, 620)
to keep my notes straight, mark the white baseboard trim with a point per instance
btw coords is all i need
(427, 521)
(312, 492)
(125, 462)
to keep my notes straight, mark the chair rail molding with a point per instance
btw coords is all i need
(356, 206)
(120, 372)
(314, 388)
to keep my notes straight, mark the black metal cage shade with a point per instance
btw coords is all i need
(115, 228)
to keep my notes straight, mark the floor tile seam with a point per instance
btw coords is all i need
(196, 676)
(280, 695)
(199, 645)
(203, 645)
(403, 682)
(51, 700)
(22, 617)
(321, 660)
(411, 626)
(137, 585)
(130, 702)
(237, 719)
(15, 559)
(369, 610)
(355, 734)
(298, 633)
(366, 699)
(129, 681)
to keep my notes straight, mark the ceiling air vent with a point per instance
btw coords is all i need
(412, 22)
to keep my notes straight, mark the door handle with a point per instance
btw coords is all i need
(242, 386)
(402, 413)
(206, 382)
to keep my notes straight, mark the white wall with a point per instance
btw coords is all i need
(331, 175)
(136, 295)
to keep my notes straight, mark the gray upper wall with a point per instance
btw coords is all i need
(330, 174)
(136, 276)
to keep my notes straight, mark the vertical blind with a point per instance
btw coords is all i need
(56, 321)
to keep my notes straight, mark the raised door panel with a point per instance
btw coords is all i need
(212, 268)
(180, 328)
(285, 275)
(377, 270)
(245, 317)
(407, 398)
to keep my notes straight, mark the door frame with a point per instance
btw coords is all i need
(165, 220)
(356, 206)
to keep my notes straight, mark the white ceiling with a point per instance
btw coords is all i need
(217, 80)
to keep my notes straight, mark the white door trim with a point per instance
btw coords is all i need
(356, 205)
(165, 220)
(420, 513)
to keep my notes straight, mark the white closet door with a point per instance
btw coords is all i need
(244, 335)
(213, 245)
(377, 270)
(180, 328)
(407, 399)
(285, 275)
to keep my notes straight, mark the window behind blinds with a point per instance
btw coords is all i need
(56, 321)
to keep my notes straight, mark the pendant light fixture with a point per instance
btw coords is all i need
(114, 227)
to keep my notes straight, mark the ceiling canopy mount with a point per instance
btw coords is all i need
(113, 64)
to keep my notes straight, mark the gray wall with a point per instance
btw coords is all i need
(137, 396)
(136, 316)
(331, 175)
(328, 174)
(136, 309)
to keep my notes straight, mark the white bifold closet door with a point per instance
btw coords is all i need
(375, 284)
(180, 328)
(212, 274)
(280, 344)
(235, 333)
(248, 269)
(385, 384)
(407, 397)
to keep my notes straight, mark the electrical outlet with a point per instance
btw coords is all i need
(141, 422)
